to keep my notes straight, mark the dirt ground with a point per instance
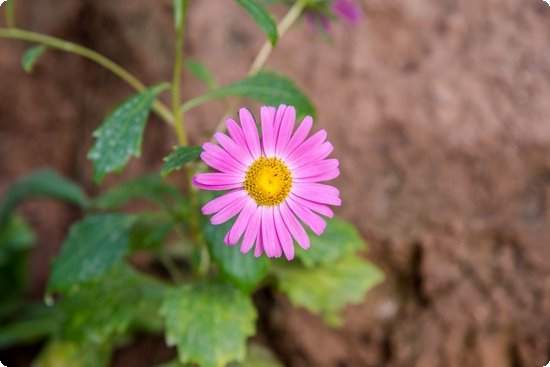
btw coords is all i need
(440, 114)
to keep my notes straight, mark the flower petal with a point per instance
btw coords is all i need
(270, 241)
(316, 192)
(218, 152)
(236, 132)
(242, 221)
(295, 228)
(316, 207)
(299, 136)
(221, 202)
(307, 146)
(325, 168)
(252, 231)
(228, 211)
(241, 154)
(285, 130)
(222, 165)
(317, 154)
(312, 220)
(283, 234)
(269, 133)
(259, 249)
(214, 187)
(250, 133)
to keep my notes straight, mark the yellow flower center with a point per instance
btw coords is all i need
(268, 181)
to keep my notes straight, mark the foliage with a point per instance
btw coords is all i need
(140, 258)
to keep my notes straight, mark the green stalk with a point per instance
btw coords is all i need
(70, 47)
(176, 80)
(10, 14)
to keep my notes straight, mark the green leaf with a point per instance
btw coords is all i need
(340, 239)
(262, 17)
(16, 238)
(266, 87)
(65, 353)
(325, 290)
(34, 323)
(94, 246)
(202, 73)
(178, 158)
(99, 311)
(43, 183)
(244, 270)
(150, 187)
(259, 356)
(209, 323)
(30, 56)
(150, 231)
(120, 136)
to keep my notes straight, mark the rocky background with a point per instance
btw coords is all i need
(440, 114)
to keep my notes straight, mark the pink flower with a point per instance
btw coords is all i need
(348, 10)
(273, 182)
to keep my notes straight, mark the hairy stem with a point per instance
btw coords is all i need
(70, 47)
(176, 80)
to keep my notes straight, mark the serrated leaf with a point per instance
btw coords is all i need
(262, 17)
(42, 183)
(93, 247)
(244, 270)
(325, 290)
(98, 311)
(120, 136)
(65, 353)
(150, 187)
(209, 323)
(31, 56)
(340, 239)
(201, 72)
(178, 158)
(266, 87)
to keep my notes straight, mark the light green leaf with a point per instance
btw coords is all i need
(97, 312)
(178, 158)
(325, 290)
(202, 73)
(262, 17)
(43, 183)
(65, 353)
(120, 136)
(94, 246)
(266, 87)
(244, 270)
(259, 356)
(339, 240)
(30, 56)
(209, 323)
(150, 187)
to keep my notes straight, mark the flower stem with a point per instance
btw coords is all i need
(176, 80)
(261, 58)
(53, 42)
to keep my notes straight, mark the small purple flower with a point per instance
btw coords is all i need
(347, 10)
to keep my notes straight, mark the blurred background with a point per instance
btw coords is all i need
(439, 111)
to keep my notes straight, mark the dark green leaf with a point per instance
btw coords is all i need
(262, 17)
(178, 158)
(209, 323)
(97, 312)
(266, 87)
(244, 270)
(339, 240)
(93, 247)
(150, 187)
(65, 353)
(201, 72)
(120, 136)
(327, 289)
(35, 322)
(30, 56)
(150, 231)
(43, 183)
(16, 237)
